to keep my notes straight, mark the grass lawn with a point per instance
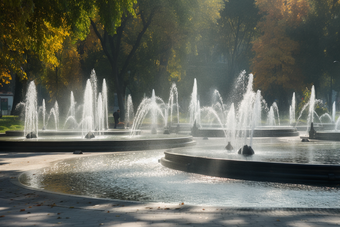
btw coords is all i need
(10, 122)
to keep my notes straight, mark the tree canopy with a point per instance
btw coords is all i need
(140, 45)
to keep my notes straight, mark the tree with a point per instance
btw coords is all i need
(32, 26)
(274, 65)
(237, 30)
(137, 41)
(64, 76)
(35, 30)
(319, 37)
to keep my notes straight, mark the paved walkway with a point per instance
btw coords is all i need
(20, 206)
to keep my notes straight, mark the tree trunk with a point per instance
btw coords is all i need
(18, 94)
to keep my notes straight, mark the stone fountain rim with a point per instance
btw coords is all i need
(310, 174)
(94, 145)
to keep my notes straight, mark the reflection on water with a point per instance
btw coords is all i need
(139, 176)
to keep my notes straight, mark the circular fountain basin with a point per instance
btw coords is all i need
(263, 131)
(97, 144)
(328, 135)
(138, 176)
(289, 161)
(73, 132)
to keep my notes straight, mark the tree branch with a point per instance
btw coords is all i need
(102, 40)
(139, 38)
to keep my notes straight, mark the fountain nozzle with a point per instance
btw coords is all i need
(229, 147)
(246, 150)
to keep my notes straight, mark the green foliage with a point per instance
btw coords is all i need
(318, 37)
(10, 122)
(111, 13)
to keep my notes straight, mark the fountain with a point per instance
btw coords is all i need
(153, 107)
(271, 115)
(239, 123)
(242, 126)
(246, 121)
(91, 132)
(324, 128)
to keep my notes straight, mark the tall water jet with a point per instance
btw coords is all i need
(100, 113)
(193, 107)
(153, 110)
(256, 120)
(292, 110)
(31, 112)
(105, 105)
(173, 101)
(333, 112)
(56, 115)
(218, 105)
(88, 117)
(245, 111)
(93, 79)
(129, 114)
(71, 115)
(44, 113)
(231, 124)
(257, 109)
(72, 105)
(271, 117)
(310, 118)
(276, 110)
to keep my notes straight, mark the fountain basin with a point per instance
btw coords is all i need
(254, 170)
(138, 176)
(97, 144)
(72, 132)
(328, 135)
